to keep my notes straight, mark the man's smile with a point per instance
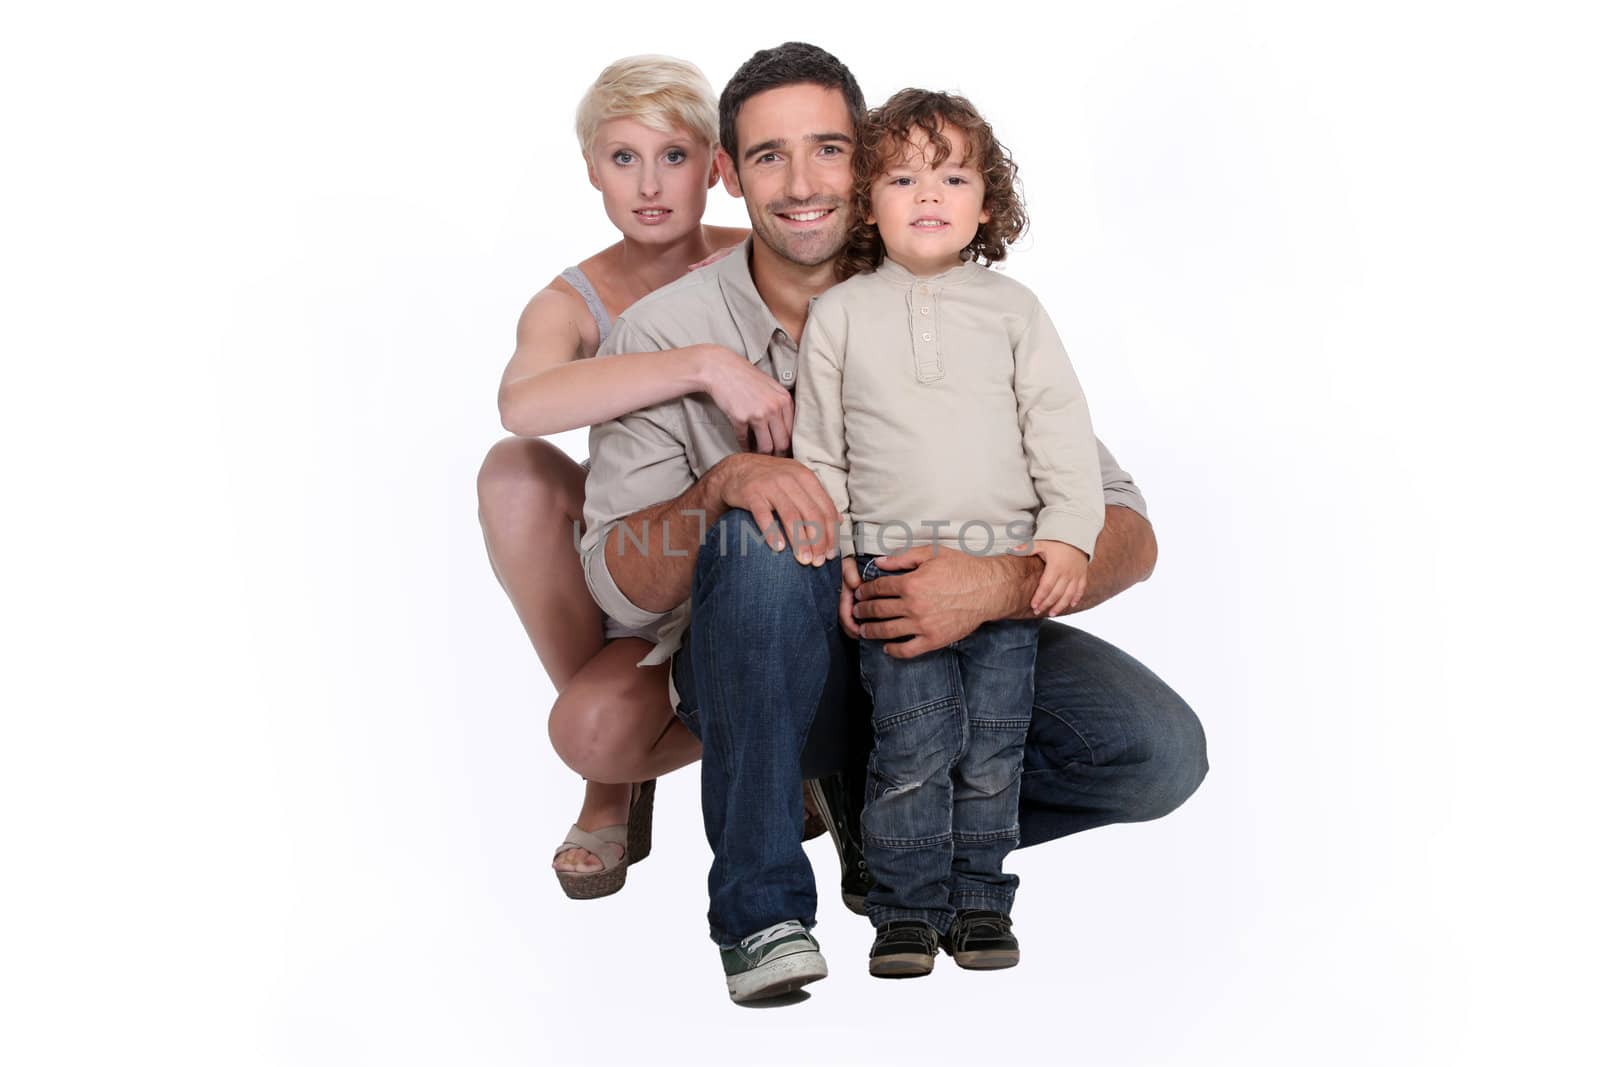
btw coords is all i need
(807, 217)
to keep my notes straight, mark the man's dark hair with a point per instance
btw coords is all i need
(793, 63)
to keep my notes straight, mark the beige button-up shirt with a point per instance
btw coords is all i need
(944, 410)
(657, 453)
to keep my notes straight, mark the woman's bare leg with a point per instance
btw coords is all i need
(614, 723)
(530, 494)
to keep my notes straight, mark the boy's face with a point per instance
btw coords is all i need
(925, 214)
(793, 170)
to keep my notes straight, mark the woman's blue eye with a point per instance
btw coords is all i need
(676, 155)
(623, 158)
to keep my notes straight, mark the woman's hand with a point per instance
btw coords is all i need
(712, 258)
(754, 402)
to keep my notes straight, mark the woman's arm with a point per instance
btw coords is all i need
(549, 387)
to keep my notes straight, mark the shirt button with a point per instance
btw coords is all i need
(788, 375)
(924, 311)
(927, 337)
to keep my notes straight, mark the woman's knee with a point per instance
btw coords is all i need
(524, 476)
(596, 738)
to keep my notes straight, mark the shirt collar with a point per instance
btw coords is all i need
(890, 271)
(751, 315)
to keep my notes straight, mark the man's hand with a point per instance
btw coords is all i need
(945, 596)
(1066, 576)
(768, 488)
(942, 597)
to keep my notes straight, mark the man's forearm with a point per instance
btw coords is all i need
(1124, 555)
(651, 553)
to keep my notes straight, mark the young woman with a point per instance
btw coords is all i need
(648, 130)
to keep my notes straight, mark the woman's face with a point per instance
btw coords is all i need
(654, 184)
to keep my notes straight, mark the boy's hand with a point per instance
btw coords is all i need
(1066, 576)
(847, 596)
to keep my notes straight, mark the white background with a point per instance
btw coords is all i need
(274, 781)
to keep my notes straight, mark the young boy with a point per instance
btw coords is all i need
(936, 405)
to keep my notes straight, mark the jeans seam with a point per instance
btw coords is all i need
(906, 844)
(1020, 725)
(937, 918)
(982, 837)
(959, 692)
(1094, 759)
(940, 703)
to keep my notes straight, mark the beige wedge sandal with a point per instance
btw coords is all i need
(634, 837)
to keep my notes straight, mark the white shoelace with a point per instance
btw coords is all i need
(787, 928)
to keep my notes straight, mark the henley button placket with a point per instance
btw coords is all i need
(925, 334)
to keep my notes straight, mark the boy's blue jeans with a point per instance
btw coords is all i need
(771, 686)
(945, 775)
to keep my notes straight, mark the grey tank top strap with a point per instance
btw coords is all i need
(580, 281)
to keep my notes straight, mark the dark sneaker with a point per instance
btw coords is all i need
(982, 941)
(815, 825)
(904, 948)
(834, 804)
(774, 961)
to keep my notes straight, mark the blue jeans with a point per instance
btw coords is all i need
(772, 688)
(945, 775)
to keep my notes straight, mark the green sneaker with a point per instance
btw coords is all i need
(771, 962)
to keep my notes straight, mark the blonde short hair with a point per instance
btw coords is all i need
(659, 91)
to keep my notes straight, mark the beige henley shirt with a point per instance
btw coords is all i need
(657, 453)
(943, 410)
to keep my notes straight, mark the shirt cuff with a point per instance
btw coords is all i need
(1132, 499)
(665, 628)
(1061, 524)
(607, 594)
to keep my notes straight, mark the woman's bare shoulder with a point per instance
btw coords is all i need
(557, 313)
(557, 295)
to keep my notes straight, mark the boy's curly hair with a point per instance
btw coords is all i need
(882, 139)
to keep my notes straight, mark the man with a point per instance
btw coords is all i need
(714, 546)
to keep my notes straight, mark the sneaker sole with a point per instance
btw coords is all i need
(997, 959)
(778, 977)
(900, 965)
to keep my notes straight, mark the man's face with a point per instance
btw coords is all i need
(793, 170)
